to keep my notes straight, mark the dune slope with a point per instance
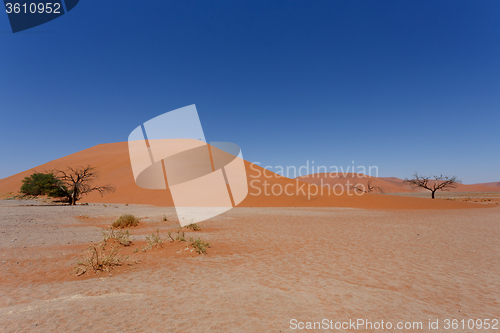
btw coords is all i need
(266, 189)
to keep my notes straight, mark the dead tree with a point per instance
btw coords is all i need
(76, 182)
(434, 183)
(369, 187)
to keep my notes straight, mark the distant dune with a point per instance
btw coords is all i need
(266, 189)
(389, 184)
(494, 184)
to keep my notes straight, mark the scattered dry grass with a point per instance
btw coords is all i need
(120, 236)
(153, 241)
(180, 236)
(199, 245)
(125, 221)
(194, 227)
(104, 256)
(99, 259)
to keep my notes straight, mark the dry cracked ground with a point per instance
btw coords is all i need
(265, 267)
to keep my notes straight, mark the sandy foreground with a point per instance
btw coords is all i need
(265, 267)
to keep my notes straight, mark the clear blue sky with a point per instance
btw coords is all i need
(404, 85)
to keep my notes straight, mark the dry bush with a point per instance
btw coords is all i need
(125, 221)
(199, 245)
(194, 227)
(7, 196)
(180, 236)
(165, 218)
(21, 196)
(99, 260)
(153, 241)
(85, 216)
(120, 236)
(104, 256)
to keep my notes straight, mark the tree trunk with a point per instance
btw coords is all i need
(70, 199)
(433, 194)
(74, 198)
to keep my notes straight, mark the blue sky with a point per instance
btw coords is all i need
(404, 85)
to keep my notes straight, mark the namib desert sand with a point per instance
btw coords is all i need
(275, 263)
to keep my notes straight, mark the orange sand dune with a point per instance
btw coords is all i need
(266, 189)
(388, 184)
(494, 184)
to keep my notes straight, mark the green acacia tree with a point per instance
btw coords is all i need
(71, 183)
(43, 184)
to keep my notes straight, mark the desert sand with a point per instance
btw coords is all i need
(265, 267)
(113, 162)
(272, 260)
(392, 184)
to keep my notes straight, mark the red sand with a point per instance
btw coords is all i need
(391, 184)
(265, 267)
(494, 184)
(112, 161)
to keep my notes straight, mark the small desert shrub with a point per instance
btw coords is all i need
(193, 227)
(154, 240)
(86, 216)
(122, 237)
(180, 236)
(22, 197)
(199, 245)
(6, 196)
(126, 204)
(99, 259)
(165, 218)
(125, 221)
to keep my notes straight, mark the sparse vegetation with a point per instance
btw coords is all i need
(99, 259)
(199, 245)
(104, 256)
(125, 221)
(153, 241)
(85, 216)
(194, 227)
(180, 236)
(165, 218)
(120, 236)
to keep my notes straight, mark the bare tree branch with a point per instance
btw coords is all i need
(76, 182)
(369, 187)
(434, 183)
